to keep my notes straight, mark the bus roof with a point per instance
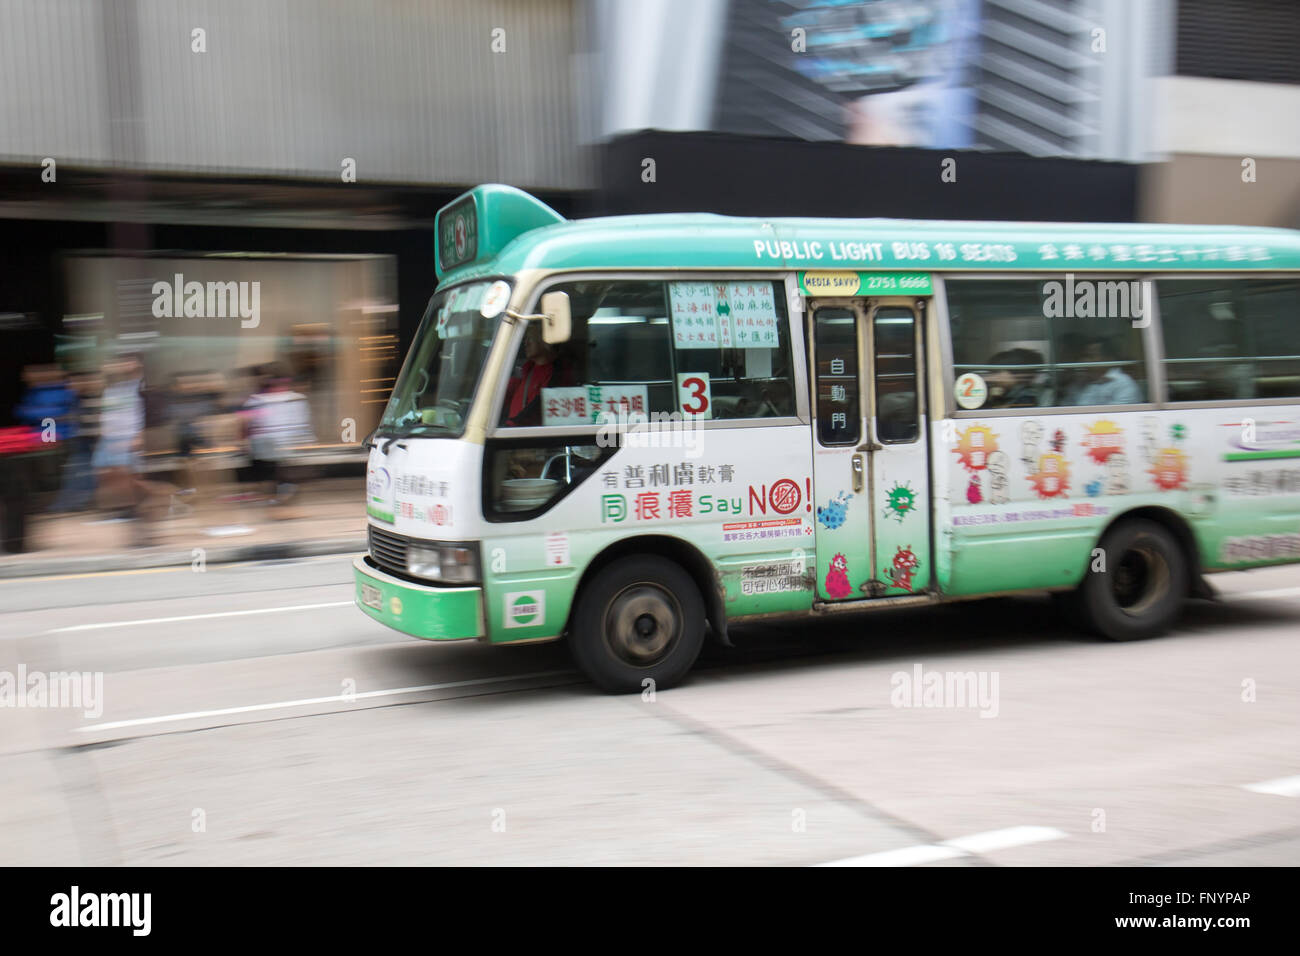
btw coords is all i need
(713, 242)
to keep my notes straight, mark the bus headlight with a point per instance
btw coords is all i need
(452, 563)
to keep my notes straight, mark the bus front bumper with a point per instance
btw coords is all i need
(431, 613)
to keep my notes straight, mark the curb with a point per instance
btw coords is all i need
(150, 558)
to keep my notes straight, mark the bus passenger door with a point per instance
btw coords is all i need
(897, 452)
(870, 472)
(840, 497)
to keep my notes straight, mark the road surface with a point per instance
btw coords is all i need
(251, 715)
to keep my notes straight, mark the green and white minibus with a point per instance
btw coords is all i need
(631, 432)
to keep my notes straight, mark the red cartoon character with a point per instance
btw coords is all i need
(973, 494)
(1058, 441)
(837, 578)
(904, 566)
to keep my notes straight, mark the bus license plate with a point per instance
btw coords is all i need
(371, 597)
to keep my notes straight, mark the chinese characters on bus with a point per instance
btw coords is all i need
(591, 404)
(710, 315)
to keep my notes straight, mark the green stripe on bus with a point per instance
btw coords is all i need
(1261, 455)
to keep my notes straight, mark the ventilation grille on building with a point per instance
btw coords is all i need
(1247, 40)
(1037, 82)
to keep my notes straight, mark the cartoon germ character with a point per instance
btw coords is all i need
(835, 511)
(837, 578)
(900, 501)
(1058, 441)
(904, 566)
(973, 494)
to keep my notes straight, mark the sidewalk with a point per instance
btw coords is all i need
(328, 517)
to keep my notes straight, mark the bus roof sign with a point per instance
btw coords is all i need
(478, 225)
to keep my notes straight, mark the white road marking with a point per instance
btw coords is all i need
(197, 617)
(312, 701)
(1273, 593)
(907, 856)
(1282, 787)
(950, 849)
(1001, 839)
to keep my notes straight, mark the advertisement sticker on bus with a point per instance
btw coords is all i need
(828, 284)
(495, 299)
(525, 608)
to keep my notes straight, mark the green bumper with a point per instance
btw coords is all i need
(434, 614)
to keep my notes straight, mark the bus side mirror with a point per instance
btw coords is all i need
(557, 321)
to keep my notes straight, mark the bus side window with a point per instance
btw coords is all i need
(897, 418)
(734, 335)
(1033, 356)
(1230, 339)
(838, 418)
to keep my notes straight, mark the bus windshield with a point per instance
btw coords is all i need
(436, 385)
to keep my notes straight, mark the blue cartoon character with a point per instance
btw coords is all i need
(836, 510)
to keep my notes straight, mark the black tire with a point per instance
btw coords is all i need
(641, 617)
(1144, 584)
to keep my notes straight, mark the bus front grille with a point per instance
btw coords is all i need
(388, 550)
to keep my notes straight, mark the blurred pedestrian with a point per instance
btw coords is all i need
(117, 457)
(277, 419)
(49, 406)
(48, 400)
(77, 490)
(89, 387)
(191, 405)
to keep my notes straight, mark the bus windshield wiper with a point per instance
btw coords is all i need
(384, 439)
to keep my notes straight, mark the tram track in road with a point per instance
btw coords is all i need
(768, 651)
(132, 586)
(474, 687)
(154, 599)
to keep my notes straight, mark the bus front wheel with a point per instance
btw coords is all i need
(1139, 587)
(639, 624)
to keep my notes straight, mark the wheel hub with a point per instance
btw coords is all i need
(642, 623)
(1141, 577)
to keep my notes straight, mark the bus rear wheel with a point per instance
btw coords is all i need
(642, 618)
(1142, 585)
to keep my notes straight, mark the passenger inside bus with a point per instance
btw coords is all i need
(1102, 381)
(1015, 387)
